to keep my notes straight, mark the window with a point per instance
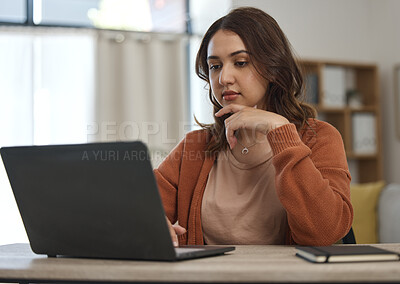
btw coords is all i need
(13, 11)
(63, 12)
(139, 15)
(47, 75)
(39, 90)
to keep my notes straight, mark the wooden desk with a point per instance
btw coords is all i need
(257, 264)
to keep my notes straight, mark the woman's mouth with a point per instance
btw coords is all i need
(229, 95)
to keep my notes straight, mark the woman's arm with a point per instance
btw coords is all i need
(167, 177)
(312, 177)
(313, 182)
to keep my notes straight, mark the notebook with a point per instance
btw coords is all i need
(96, 200)
(345, 253)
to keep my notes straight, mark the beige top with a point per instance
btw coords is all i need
(240, 204)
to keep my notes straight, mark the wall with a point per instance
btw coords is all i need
(322, 28)
(386, 43)
(357, 30)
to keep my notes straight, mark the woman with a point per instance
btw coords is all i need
(267, 171)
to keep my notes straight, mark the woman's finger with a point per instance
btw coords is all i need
(174, 237)
(179, 230)
(230, 136)
(232, 124)
(232, 108)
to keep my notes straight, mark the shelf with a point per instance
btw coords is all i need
(330, 109)
(346, 109)
(353, 156)
(330, 82)
(360, 65)
(364, 109)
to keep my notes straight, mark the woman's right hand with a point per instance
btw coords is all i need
(175, 231)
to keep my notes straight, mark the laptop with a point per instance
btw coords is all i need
(96, 200)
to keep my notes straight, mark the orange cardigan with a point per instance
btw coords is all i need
(312, 181)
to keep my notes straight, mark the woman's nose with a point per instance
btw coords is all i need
(226, 77)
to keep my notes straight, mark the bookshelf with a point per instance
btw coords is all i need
(347, 96)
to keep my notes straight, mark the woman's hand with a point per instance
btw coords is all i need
(244, 117)
(175, 231)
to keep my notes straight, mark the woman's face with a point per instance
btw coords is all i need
(233, 78)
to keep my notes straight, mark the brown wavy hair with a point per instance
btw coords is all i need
(271, 54)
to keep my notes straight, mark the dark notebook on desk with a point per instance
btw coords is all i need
(345, 253)
(93, 200)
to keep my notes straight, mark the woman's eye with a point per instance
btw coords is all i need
(214, 66)
(241, 63)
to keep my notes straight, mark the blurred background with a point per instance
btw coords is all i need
(78, 71)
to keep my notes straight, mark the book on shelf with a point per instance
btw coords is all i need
(350, 79)
(345, 253)
(312, 88)
(334, 86)
(364, 133)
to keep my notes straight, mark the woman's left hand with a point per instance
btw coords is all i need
(244, 117)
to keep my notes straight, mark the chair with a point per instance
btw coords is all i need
(388, 214)
(349, 238)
